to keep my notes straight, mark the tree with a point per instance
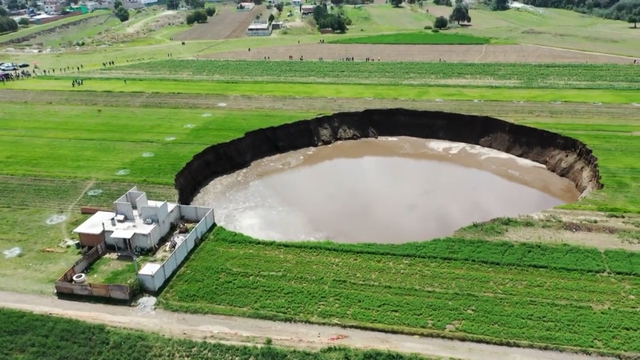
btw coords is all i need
(633, 20)
(499, 5)
(13, 5)
(23, 21)
(442, 2)
(396, 3)
(7, 24)
(117, 4)
(460, 14)
(271, 18)
(33, 4)
(441, 22)
(3, 12)
(210, 10)
(173, 4)
(279, 6)
(122, 14)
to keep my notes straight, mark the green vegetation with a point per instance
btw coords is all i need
(33, 29)
(416, 38)
(28, 336)
(343, 91)
(490, 292)
(609, 76)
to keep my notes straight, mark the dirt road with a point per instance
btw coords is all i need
(241, 330)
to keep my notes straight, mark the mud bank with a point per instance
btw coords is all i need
(564, 156)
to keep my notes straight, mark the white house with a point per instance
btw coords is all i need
(136, 222)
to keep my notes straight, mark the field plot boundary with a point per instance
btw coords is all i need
(227, 24)
(451, 53)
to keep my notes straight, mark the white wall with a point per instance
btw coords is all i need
(125, 209)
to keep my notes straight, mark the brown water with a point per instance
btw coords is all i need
(389, 190)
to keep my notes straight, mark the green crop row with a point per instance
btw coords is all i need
(475, 296)
(416, 38)
(28, 336)
(498, 74)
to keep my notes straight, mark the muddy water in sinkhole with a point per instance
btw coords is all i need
(387, 190)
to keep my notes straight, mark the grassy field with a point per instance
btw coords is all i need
(332, 91)
(416, 38)
(485, 292)
(609, 76)
(27, 336)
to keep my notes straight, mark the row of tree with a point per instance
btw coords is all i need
(7, 24)
(120, 12)
(336, 21)
(200, 15)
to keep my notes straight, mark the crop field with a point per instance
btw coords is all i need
(416, 38)
(592, 76)
(464, 297)
(433, 93)
(28, 336)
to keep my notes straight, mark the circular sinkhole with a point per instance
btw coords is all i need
(385, 190)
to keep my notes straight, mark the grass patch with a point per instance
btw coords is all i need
(610, 76)
(29, 336)
(416, 38)
(467, 297)
(35, 28)
(343, 91)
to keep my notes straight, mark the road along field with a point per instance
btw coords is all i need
(96, 342)
(226, 24)
(453, 53)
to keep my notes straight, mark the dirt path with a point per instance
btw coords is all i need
(241, 330)
(432, 53)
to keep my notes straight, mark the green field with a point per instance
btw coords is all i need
(27, 336)
(609, 76)
(489, 292)
(342, 91)
(416, 38)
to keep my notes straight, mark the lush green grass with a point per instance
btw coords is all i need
(28, 336)
(91, 143)
(342, 91)
(609, 76)
(463, 296)
(416, 38)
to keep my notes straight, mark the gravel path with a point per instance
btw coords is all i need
(241, 330)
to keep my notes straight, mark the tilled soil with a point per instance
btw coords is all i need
(451, 53)
(229, 24)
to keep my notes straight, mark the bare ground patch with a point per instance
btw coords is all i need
(228, 24)
(452, 53)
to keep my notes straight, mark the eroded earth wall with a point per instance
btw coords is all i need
(562, 155)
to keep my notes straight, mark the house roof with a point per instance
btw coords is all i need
(93, 225)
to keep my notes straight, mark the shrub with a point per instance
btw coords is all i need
(441, 22)
(210, 11)
(435, 30)
(428, 27)
(23, 21)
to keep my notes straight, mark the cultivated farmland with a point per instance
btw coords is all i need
(528, 282)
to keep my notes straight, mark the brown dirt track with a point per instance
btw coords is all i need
(228, 24)
(452, 53)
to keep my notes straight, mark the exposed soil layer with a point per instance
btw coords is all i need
(562, 155)
(451, 53)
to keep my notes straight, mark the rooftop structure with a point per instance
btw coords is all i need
(136, 222)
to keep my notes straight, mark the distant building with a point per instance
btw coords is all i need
(296, 3)
(307, 9)
(245, 6)
(259, 28)
(52, 6)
